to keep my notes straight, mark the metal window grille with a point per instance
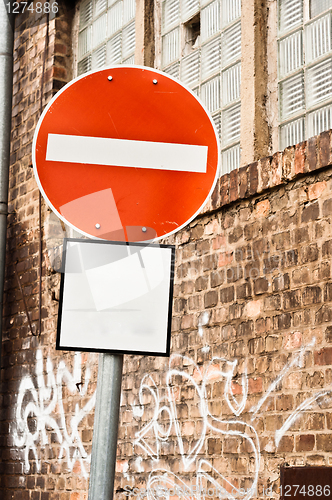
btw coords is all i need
(231, 44)
(99, 57)
(171, 47)
(210, 94)
(106, 33)
(230, 157)
(291, 94)
(290, 14)
(319, 6)
(170, 14)
(115, 19)
(290, 54)
(231, 10)
(209, 60)
(210, 20)
(305, 69)
(231, 119)
(189, 8)
(319, 120)
(231, 84)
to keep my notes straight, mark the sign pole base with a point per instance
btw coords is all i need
(105, 431)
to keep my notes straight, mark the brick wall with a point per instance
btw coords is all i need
(44, 395)
(246, 388)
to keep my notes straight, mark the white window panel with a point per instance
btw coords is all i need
(210, 20)
(84, 66)
(170, 47)
(128, 40)
(85, 13)
(115, 14)
(231, 44)
(188, 9)
(291, 95)
(230, 159)
(190, 69)
(292, 133)
(290, 14)
(217, 121)
(210, 94)
(319, 83)
(318, 6)
(210, 58)
(318, 38)
(170, 15)
(99, 57)
(319, 120)
(173, 70)
(231, 121)
(100, 6)
(231, 10)
(129, 10)
(290, 54)
(114, 50)
(231, 84)
(130, 60)
(99, 30)
(84, 42)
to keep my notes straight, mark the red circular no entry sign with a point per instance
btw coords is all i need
(126, 153)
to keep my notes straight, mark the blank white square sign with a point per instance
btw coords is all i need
(116, 297)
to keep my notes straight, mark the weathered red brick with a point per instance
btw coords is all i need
(305, 442)
(299, 158)
(255, 385)
(253, 178)
(215, 197)
(264, 172)
(233, 185)
(243, 179)
(323, 356)
(325, 148)
(224, 190)
(276, 169)
(312, 160)
(310, 212)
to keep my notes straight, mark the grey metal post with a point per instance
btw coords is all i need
(6, 90)
(105, 430)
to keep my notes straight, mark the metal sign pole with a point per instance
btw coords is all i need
(105, 430)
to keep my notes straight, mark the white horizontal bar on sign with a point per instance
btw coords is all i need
(126, 153)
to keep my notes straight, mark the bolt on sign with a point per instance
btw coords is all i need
(126, 154)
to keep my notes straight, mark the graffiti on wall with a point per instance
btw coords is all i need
(238, 421)
(42, 420)
(40, 412)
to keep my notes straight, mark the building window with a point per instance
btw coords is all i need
(304, 69)
(201, 45)
(106, 33)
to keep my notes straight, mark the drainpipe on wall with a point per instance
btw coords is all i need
(6, 89)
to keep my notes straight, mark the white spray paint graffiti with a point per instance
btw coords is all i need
(156, 432)
(202, 321)
(295, 361)
(296, 413)
(44, 400)
(227, 427)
